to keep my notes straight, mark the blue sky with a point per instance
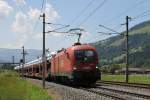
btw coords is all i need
(20, 24)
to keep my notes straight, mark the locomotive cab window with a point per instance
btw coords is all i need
(84, 56)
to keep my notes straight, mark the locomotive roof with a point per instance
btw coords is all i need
(49, 56)
(83, 46)
(76, 47)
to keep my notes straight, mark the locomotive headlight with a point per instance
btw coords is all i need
(74, 68)
(97, 67)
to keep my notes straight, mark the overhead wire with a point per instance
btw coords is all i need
(127, 10)
(117, 26)
(42, 6)
(82, 11)
(143, 14)
(110, 29)
(91, 13)
(37, 21)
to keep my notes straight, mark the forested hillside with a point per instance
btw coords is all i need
(113, 50)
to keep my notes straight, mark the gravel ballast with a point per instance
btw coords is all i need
(68, 93)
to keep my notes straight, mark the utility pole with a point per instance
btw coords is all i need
(43, 55)
(127, 49)
(23, 58)
(44, 61)
(13, 59)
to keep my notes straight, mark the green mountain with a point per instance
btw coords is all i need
(113, 49)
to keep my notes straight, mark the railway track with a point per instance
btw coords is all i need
(137, 85)
(126, 93)
(117, 94)
(104, 94)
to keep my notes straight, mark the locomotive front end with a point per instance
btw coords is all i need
(85, 68)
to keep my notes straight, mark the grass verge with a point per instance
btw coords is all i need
(144, 79)
(12, 87)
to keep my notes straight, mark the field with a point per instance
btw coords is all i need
(144, 79)
(12, 87)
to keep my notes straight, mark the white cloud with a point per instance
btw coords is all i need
(21, 24)
(51, 13)
(22, 28)
(34, 13)
(56, 34)
(24, 23)
(5, 8)
(22, 2)
(51, 16)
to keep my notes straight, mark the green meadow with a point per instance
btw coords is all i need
(144, 79)
(12, 87)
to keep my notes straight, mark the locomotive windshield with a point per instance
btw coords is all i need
(84, 56)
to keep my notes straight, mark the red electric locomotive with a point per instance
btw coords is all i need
(77, 64)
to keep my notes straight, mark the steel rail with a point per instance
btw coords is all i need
(126, 92)
(104, 94)
(137, 85)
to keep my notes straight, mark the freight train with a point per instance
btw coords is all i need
(76, 64)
